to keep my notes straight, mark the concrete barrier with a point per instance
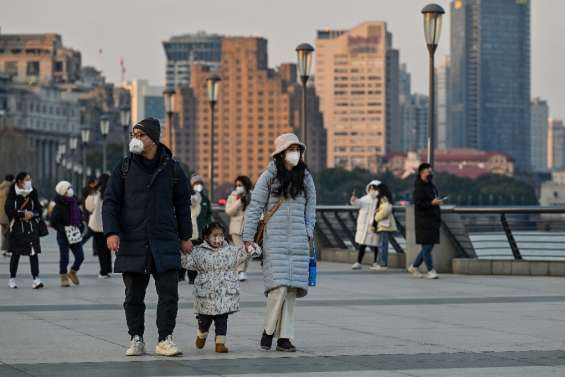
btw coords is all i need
(470, 266)
(395, 260)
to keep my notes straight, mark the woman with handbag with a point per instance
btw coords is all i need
(24, 213)
(286, 196)
(66, 219)
(93, 204)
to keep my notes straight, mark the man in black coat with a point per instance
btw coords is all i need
(146, 219)
(428, 220)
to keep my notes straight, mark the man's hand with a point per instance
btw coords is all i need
(249, 245)
(186, 246)
(28, 215)
(113, 243)
(437, 202)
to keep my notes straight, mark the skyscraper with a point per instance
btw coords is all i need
(444, 130)
(255, 105)
(146, 101)
(538, 134)
(357, 79)
(490, 76)
(556, 145)
(184, 51)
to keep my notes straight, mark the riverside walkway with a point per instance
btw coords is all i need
(352, 324)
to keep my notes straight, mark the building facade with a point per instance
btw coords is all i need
(539, 124)
(255, 105)
(556, 145)
(444, 131)
(186, 50)
(146, 100)
(490, 76)
(415, 122)
(355, 72)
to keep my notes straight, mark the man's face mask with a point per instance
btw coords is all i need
(136, 146)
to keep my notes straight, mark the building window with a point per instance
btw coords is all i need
(11, 68)
(33, 69)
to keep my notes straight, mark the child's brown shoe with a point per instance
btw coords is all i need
(221, 344)
(200, 339)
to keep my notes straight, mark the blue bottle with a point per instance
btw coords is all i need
(313, 267)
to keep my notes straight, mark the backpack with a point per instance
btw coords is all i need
(176, 170)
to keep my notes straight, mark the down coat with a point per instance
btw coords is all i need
(427, 216)
(286, 247)
(24, 235)
(366, 234)
(216, 288)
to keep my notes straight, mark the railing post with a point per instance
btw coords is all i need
(510, 237)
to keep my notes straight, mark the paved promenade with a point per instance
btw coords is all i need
(354, 324)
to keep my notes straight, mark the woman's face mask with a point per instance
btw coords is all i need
(27, 185)
(240, 190)
(292, 157)
(373, 194)
(198, 187)
(136, 146)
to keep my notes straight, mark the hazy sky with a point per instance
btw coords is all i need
(134, 30)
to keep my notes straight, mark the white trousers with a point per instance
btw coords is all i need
(280, 312)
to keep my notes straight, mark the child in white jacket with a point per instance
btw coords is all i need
(366, 234)
(216, 288)
(386, 225)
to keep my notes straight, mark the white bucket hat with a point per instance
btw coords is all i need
(62, 187)
(284, 141)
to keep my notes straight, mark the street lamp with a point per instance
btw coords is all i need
(104, 130)
(213, 83)
(85, 136)
(169, 97)
(304, 56)
(125, 119)
(432, 30)
(73, 142)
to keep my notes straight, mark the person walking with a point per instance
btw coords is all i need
(216, 289)
(24, 215)
(89, 189)
(285, 190)
(385, 224)
(93, 204)
(203, 215)
(146, 220)
(66, 219)
(366, 234)
(235, 208)
(428, 220)
(4, 221)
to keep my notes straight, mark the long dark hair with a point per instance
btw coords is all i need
(248, 185)
(21, 176)
(102, 182)
(291, 181)
(384, 191)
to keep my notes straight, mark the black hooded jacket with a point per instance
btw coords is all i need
(428, 216)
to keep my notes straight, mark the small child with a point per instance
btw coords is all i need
(216, 288)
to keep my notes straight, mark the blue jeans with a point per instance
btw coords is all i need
(425, 255)
(64, 253)
(382, 258)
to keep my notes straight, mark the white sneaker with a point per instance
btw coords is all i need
(414, 271)
(377, 267)
(167, 347)
(104, 276)
(12, 283)
(6, 253)
(37, 284)
(432, 274)
(136, 347)
(356, 266)
(242, 276)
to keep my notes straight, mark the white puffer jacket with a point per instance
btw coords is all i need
(366, 234)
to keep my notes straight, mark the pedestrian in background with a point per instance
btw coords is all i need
(4, 221)
(366, 234)
(93, 204)
(385, 225)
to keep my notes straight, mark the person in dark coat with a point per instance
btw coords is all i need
(24, 214)
(428, 220)
(66, 215)
(146, 221)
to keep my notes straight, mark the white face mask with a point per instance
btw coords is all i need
(70, 193)
(136, 146)
(28, 186)
(292, 157)
(240, 190)
(198, 188)
(374, 194)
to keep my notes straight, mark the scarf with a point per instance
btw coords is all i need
(22, 192)
(74, 210)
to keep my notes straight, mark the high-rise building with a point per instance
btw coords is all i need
(556, 145)
(146, 101)
(539, 114)
(186, 50)
(357, 79)
(415, 122)
(443, 131)
(255, 105)
(404, 100)
(38, 59)
(490, 76)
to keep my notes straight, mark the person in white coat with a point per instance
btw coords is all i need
(236, 205)
(366, 234)
(93, 204)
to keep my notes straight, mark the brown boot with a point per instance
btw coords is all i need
(200, 339)
(64, 281)
(73, 277)
(221, 344)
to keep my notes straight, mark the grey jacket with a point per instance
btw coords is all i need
(286, 247)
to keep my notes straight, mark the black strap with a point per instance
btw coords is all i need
(126, 162)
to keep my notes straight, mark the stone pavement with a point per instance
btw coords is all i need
(353, 323)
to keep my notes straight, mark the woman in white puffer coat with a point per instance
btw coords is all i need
(366, 234)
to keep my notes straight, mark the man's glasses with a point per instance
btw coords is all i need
(137, 135)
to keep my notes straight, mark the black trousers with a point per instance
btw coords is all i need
(167, 284)
(104, 254)
(220, 323)
(15, 261)
(361, 252)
